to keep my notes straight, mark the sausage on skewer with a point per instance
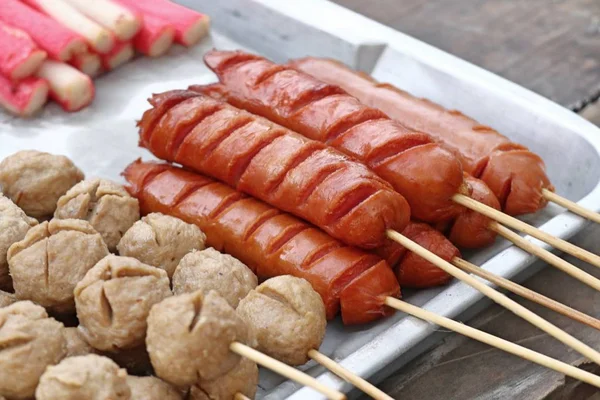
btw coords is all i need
(274, 164)
(515, 174)
(268, 241)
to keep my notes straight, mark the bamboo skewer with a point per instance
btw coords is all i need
(498, 297)
(571, 206)
(348, 376)
(239, 396)
(495, 341)
(514, 223)
(527, 293)
(547, 256)
(285, 370)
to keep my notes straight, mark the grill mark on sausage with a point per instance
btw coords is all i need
(260, 221)
(228, 202)
(299, 159)
(312, 96)
(275, 69)
(159, 110)
(365, 263)
(350, 121)
(318, 180)
(354, 200)
(236, 60)
(317, 255)
(225, 134)
(241, 169)
(288, 235)
(180, 137)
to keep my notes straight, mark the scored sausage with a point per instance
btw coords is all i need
(268, 241)
(418, 168)
(274, 164)
(469, 229)
(515, 174)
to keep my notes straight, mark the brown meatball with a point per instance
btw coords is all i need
(107, 206)
(189, 337)
(76, 344)
(208, 270)
(161, 240)
(53, 257)
(29, 342)
(6, 299)
(151, 388)
(89, 377)
(113, 301)
(243, 378)
(35, 180)
(14, 224)
(287, 316)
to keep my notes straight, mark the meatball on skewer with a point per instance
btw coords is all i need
(194, 337)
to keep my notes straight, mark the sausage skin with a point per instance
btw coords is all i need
(274, 164)
(468, 229)
(418, 168)
(515, 174)
(267, 240)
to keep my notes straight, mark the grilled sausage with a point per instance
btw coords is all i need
(418, 168)
(515, 174)
(469, 229)
(274, 164)
(268, 241)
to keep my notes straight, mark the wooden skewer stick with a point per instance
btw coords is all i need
(285, 370)
(571, 206)
(239, 396)
(545, 255)
(495, 341)
(348, 376)
(528, 229)
(498, 297)
(527, 293)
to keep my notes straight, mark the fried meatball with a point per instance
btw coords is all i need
(76, 344)
(107, 206)
(208, 270)
(287, 316)
(243, 378)
(151, 388)
(29, 342)
(35, 180)
(90, 377)
(14, 224)
(161, 240)
(113, 301)
(47, 264)
(6, 299)
(189, 337)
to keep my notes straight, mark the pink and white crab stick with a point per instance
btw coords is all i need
(20, 57)
(70, 88)
(118, 19)
(23, 98)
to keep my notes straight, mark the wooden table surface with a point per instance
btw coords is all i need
(553, 48)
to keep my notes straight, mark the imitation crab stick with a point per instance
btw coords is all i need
(88, 63)
(155, 37)
(23, 98)
(99, 38)
(190, 26)
(70, 88)
(59, 42)
(118, 19)
(20, 57)
(119, 55)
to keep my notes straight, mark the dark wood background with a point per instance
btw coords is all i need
(553, 48)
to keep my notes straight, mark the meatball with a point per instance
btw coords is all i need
(47, 264)
(113, 301)
(35, 180)
(208, 270)
(29, 342)
(161, 241)
(14, 224)
(189, 337)
(76, 344)
(151, 388)
(90, 377)
(107, 206)
(287, 316)
(243, 378)
(6, 299)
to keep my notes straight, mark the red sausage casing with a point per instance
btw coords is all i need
(515, 175)
(270, 242)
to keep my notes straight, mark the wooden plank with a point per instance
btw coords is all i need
(551, 47)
